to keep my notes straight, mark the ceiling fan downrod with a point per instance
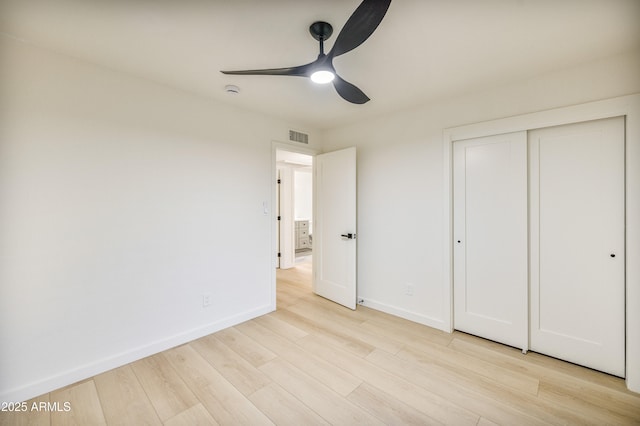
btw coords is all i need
(321, 31)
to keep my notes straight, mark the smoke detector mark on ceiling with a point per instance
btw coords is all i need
(230, 88)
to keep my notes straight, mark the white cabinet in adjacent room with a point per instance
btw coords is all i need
(303, 240)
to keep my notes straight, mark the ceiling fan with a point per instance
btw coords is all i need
(362, 23)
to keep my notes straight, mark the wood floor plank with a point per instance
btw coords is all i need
(292, 288)
(283, 408)
(603, 410)
(540, 362)
(283, 299)
(324, 309)
(338, 337)
(486, 422)
(291, 292)
(374, 317)
(420, 368)
(239, 372)
(280, 327)
(28, 417)
(607, 392)
(447, 356)
(387, 408)
(508, 358)
(225, 403)
(324, 401)
(422, 399)
(194, 416)
(408, 335)
(454, 390)
(299, 275)
(322, 370)
(123, 399)
(350, 332)
(84, 403)
(167, 392)
(246, 347)
(374, 338)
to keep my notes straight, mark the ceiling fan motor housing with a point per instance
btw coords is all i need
(321, 30)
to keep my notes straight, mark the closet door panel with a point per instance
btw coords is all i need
(490, 237)
(577, 243)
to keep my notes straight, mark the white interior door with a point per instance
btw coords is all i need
(490, 237)
(334, 243)
(577, 243)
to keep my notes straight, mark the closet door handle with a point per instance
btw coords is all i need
(349, 236)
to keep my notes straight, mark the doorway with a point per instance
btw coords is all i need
(294, 238)
(330, 232)
(294, 210)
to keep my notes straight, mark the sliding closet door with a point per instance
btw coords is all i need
(490, 237)
(577, 243)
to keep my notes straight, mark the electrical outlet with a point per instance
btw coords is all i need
(206, 300)
(409, 290)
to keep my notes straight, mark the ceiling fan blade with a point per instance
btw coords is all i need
(299, 71)
(362, 23)
(349, 92)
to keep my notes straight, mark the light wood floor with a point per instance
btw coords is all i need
(313, 362)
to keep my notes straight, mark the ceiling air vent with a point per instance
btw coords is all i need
(298, 137)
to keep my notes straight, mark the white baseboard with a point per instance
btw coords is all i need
(403, 313)
(91, 369)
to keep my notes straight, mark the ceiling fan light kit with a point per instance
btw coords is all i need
(362, 23)
(322, 76)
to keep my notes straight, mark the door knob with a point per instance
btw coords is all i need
(613, 255)
(349, 236)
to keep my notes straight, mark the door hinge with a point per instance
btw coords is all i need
(279, 218)
(279, 254)
(279, 181)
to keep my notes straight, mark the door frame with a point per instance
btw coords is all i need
(626, 106)
(285, 227)
(279, 146)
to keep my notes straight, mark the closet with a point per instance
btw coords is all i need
(538, 228)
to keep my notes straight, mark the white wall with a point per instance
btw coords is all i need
(303, 186)
(400, 178)
(121, 203)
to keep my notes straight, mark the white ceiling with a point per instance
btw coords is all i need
(424, 50)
